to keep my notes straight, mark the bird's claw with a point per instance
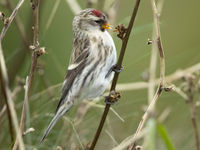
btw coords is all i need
(112, 97)
(115, 69)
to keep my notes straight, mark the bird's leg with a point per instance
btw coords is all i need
(112, 97)
(115, 69)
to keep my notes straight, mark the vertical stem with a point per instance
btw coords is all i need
(162, 74)
(35, 7)
(98, 132)
(8, 112)
(4, 76)
(119, 63)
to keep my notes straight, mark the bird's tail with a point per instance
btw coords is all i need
(61, 111)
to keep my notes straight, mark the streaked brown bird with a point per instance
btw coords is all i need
(92, 61)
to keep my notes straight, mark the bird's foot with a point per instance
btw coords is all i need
(112, 97)
(115, 69)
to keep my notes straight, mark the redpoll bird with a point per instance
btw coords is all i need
(92, 61)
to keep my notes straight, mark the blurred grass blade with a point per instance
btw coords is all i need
(53, 12)
(165, 137)
(150, 137)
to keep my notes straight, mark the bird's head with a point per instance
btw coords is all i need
(91, 20)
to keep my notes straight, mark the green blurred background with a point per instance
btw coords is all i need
(180, 22)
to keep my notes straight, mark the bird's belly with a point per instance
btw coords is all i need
(101, 82)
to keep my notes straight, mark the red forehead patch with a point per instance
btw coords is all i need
(97, 13)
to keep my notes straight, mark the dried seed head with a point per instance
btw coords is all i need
(121, 31)
(42, 50)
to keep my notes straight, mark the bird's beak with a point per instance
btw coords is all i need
(106, 26)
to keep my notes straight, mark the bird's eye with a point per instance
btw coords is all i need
(98, 21)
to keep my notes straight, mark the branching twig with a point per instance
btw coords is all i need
(19, 24)
(4, 76)
(10, 19)
(19, 57)
(119, 63)
(168, 79)
(37, 51)
(162, 73)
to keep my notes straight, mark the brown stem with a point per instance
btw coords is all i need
(36, 53)
(4, 75)
(114, 82)
(8, 112)
(19, 58)
(19, 24)
(162, 75)
(192, 105)
(194, 124)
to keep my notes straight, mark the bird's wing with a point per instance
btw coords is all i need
(77, 63)
(75, 68)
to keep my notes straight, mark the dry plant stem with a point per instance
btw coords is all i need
(194, 124)
(169, 79)
(119, 63)
(8, 112)
(19, 57)
(35, 7)
(19, 24)
(22, 122)
(192, 105)
(5, 79)
(153, 62)
(10, 19)
(152, 70)
(162, 74)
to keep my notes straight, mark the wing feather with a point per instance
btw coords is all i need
(72, 73)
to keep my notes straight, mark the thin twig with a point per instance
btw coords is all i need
(19, 24)
(191, 91)
(22, 122)
(162, 73)
(119, 63)
(126, 142)
(8, 112)
(19, 57)
(5, 79)
(168, 79)
(37, 51)
(35, 47)
(10, 19)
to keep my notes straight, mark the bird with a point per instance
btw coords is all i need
(92, 62)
